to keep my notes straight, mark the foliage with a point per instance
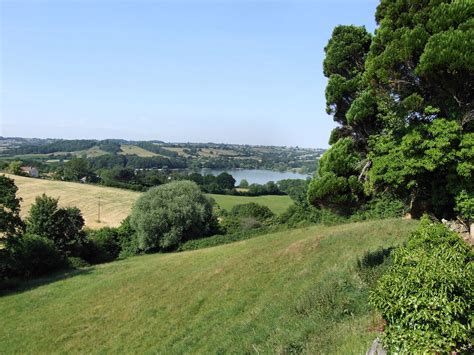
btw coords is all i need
(15, 168)
(34, 256)
(372, 265)
(168, 215)
(77, 168)
(64, 226)
(404, 98)
(10, 221)
(465, 206)
(252, 209)
(427, 295)
(107, 243)
(337, 187)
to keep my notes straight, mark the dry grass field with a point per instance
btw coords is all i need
(128, 149)
(115, 203)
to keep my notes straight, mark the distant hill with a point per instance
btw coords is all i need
(160, 154)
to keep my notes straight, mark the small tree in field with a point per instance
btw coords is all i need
(170, 214)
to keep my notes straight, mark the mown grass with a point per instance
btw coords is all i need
(278, 204)
(288, 292)
(115, 203)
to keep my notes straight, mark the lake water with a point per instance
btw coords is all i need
(256, 176)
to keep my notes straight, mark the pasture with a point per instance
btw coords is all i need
(293, 291)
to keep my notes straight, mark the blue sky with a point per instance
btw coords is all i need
(245, 72)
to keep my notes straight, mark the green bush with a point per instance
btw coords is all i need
(168, 215)
(35, 256)
(298, 216)
(76, 262)
(252, 209)
(380, 208)
(427, 295)
(107, 240)
(247, 216)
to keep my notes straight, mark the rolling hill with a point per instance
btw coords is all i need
(115, 203)
(289, 292)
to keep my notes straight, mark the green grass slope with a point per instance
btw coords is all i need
(287, 292)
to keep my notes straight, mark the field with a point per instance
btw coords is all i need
(294, 291)
(115, 203)
(278, 204)
(128, 149)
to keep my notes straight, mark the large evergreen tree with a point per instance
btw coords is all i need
(407, 106)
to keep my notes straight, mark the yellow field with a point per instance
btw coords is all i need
(128, 149)
(115, 203)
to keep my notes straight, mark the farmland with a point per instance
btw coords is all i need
(115, 203)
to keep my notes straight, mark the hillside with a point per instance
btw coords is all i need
(115, 203)
(287, 292)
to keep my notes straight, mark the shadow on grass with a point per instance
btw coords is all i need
(373, 264)
(17, 286)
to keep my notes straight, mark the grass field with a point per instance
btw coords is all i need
(278, 204)
(115, 203)
(289, 292)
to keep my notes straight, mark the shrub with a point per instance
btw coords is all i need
(168, 215)
(427, 295)
(107, 241)
(381, 207)
(76, 262)
(34, 256)
(252, 209)
(297, 215)
(128, 239)
(61, 225)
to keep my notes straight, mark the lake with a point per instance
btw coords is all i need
(257, 176)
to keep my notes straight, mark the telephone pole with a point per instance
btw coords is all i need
(98, 211)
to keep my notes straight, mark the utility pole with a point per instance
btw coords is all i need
(98, 212)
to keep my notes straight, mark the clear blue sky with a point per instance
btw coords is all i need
(245, 72)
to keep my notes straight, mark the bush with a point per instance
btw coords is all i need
(427, 295)
(128, 239)
(107, 240)
(35, 256)
(168, 215)
(61, 225)
(252, 209)
(247, 216)
(380, 208)
(76, 262)
(298, 216)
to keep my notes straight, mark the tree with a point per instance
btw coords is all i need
(168, 215)
(244, 184)
(10, 221)
(404, 98)
(64, 226)
(337, 187)
(225, 181)
(14, 168)
(76, 169)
